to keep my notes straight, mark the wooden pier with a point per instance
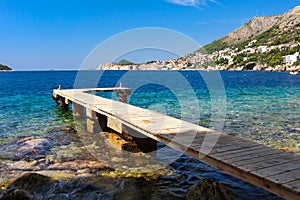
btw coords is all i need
(267, 168)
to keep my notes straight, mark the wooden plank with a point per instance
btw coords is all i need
(256, 152)
(251, 157)
(293, 185)
(268, 163)
(260, 159)
(211, 144)
(263, 153)
(233, 150)
(256, 180)
(287, 176)
(277, 169)
(261, 165)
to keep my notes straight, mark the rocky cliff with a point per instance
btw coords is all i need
(270, 43)
(285, 23)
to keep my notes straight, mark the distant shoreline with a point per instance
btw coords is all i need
(6, 70)
(153, 70)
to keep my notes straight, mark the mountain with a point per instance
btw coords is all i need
(285, 26)
(270, 43)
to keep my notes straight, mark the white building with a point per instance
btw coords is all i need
(248, 50)
(291, 59)
(262, 49)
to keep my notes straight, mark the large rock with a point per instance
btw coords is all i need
(28, 148)
(20, 188)
(37, 186)
(30, 181)
(115, 140)
(15, 194)
(209, 189)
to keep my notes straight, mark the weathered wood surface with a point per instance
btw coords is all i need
(270, 169)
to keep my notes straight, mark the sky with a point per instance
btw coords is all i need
(59, 34)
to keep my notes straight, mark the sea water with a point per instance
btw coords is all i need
(258, 106)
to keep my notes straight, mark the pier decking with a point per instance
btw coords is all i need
(267, 168)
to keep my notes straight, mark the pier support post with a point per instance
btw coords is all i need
(145, 144)
(64, 103)
(102, 120)
(90, 113)
(91, 126)
(123, 94)
(78, 110)
(92, 123)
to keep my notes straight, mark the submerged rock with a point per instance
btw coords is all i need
(37, 186)
(209, 189)
(15, 194)
(77, 165)
(3, 182)
(30, 181)
(142, 189)
(26, 184)
(28, 148)
(127, 144)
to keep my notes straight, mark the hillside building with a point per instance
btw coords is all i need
(291, 59)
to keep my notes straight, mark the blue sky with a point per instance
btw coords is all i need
(59, 34)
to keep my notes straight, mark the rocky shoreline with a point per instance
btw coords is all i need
(254, 67)
(59, 166)
(179, 64)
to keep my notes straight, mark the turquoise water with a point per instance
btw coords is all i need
(259, 106)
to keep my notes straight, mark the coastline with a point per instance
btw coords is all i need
(6, 70)
(169, 66)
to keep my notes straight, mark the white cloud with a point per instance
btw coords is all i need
(195, 3)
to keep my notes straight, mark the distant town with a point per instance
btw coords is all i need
(226, 59)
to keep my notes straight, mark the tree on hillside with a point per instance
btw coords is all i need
(297, 63)
(125, 62)
(275, 60)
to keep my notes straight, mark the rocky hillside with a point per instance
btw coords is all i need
(254, 27)
(269, 43)
(282, 28)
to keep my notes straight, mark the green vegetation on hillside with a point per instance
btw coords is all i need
(273, 36)
(271, 58)
(216, 45)
(124, 62)
(262, 43)
(262, 39)
(209, 64)
(297, 63)
(222, 61)
(4, 67)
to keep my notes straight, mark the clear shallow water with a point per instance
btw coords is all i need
(263, 107)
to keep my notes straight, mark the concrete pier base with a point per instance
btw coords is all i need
(102, 120)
